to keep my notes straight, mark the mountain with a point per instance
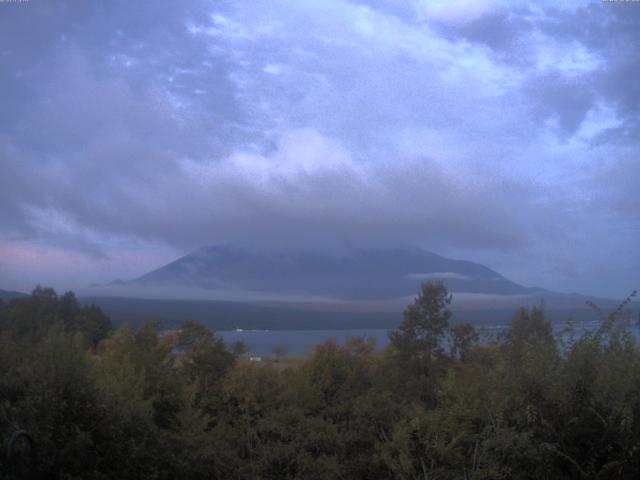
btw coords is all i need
(7, 295)
(360, 275)
(226, 287)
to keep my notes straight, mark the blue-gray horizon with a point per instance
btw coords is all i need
(505, 133)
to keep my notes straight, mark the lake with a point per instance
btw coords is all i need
(301, 342)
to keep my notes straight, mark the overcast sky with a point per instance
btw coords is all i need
(507, 133)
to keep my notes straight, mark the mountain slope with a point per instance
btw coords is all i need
(7, 295)
(358, 275)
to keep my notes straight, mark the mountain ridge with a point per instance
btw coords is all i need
(8, 295)
(355, 275)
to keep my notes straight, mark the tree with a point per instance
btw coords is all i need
(92, 323)
(206, 357)
(68, 309)
(529, 327)
(463, 338)
(416, 358)
(425, 323)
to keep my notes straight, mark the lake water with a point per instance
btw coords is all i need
(301, 342)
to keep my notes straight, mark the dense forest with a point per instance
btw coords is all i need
(79, 400)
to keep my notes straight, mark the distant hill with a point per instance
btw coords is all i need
(7, 295)
(355, 276)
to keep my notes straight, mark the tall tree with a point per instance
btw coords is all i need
(426, 321)
(417, 357)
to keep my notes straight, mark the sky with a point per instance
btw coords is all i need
(506, 133)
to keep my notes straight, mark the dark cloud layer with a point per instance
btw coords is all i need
(503, 133)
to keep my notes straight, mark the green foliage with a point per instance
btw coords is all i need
(31, 317)
(463, 339)
(205, 358)
(149, 404)
(426, 320)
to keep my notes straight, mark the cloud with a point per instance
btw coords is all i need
(438, 276)
(503, 133)
(457, 13)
